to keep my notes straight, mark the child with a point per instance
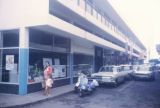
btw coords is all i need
(49, 83)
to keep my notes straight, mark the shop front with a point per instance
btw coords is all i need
(21, 68)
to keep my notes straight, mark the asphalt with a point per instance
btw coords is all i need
(131, 94)
(15, 101)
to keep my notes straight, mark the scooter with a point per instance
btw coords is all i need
(85, 85)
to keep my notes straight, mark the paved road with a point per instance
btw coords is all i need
(131, 94)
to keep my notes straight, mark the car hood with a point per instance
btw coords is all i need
(110, 74)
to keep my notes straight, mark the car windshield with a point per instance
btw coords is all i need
(106, 69)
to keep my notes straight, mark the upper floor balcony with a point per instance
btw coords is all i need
(85, 15)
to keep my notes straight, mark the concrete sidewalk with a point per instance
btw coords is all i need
(14, 101)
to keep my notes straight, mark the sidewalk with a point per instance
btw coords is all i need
(14, 101)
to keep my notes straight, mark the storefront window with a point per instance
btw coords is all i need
(37, 59)
(10, 38)
(83, 63)
(9, 65)
(40, 37)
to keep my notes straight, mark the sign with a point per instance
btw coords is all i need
(47, 60)
(9, 62)
(59, 71)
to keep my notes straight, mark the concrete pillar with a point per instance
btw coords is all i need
(70, 67)
(23, 60)
(1, 45)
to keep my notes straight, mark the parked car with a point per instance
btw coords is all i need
(158, 68)
(144, 71)
(109, 74)
(128, 70)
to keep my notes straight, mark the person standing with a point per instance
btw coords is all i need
(48, 70)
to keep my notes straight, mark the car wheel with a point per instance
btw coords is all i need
(116, 83)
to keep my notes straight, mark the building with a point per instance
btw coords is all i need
(73, 35)
(158, 48)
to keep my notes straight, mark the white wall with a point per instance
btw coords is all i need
(19, 13)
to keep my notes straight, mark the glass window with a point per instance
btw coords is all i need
(40, 37)
(61, 42)
(82, 63)
(9, 65)
(37, 63)
(10, 38)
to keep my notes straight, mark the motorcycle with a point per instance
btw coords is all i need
(85, 85)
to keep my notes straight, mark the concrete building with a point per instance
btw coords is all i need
(158, 48)
(73, 35)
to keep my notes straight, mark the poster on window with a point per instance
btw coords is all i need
(45, 60)
(63, 71)
(9, 62)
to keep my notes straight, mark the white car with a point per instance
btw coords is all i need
(143, 71)
(109, 74)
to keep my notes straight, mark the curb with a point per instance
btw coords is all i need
(35, 102)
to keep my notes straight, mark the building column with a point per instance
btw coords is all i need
(70, 66)
(23, 60)
(1, 45)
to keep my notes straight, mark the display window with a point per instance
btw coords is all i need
(9, 65)
(37, 60)
(9, 53)
(82, 63)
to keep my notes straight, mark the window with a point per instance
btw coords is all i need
(61, 42)
(82, 63)
(10, 38)
(40, 37)
(37, 62)
(9, 65)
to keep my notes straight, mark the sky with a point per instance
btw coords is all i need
(143, 18)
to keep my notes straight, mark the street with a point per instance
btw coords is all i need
(131, 94)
